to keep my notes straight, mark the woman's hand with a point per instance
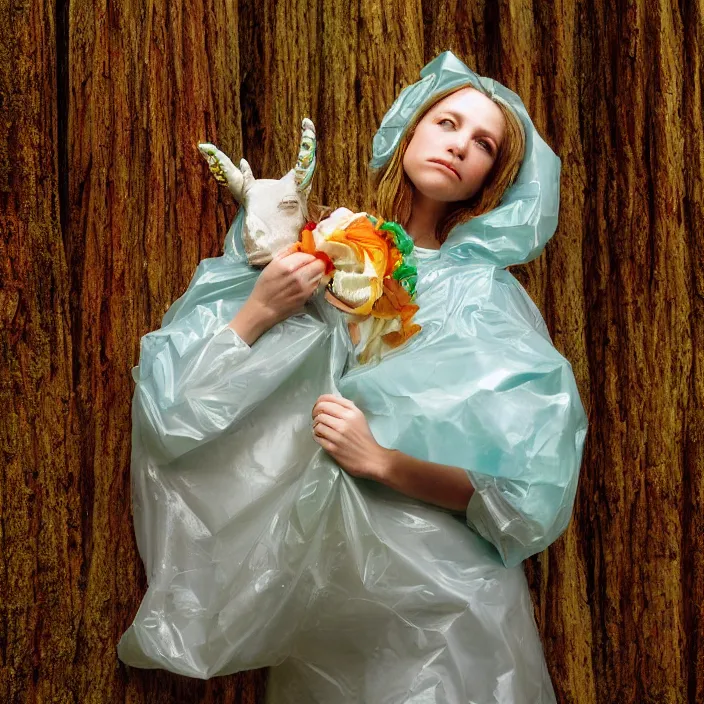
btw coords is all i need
(286, 283)
(281, 290)
(341, 429)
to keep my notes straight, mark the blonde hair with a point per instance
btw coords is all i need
(394, 191)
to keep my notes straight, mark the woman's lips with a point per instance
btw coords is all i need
(446, 165)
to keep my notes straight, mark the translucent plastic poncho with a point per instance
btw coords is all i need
(260, 551)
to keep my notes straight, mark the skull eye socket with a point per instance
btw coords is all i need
(288, 204)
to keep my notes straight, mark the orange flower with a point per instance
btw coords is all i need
(307, 245)
(361, 237)
(388, 299)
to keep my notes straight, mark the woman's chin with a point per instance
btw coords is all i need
(438, 189)
(436, 183)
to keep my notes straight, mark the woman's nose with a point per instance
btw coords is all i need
(458, 148)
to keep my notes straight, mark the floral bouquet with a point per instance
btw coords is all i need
(370, 275)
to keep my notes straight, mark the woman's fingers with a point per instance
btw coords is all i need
(327, 445)
(325, 420)
(297, 260)
(337, 399)
(325, 432)
(313, 271)
(290, 249)
(332, 409)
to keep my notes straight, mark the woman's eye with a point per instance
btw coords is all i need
(485, 145)
(449, 122)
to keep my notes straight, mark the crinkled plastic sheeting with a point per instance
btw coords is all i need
(260, 551)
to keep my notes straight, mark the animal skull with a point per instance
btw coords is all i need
(275, 211)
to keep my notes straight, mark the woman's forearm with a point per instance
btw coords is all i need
(251, 322)
(439, 484)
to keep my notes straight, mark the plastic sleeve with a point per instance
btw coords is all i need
(525, 501)
(197, 377)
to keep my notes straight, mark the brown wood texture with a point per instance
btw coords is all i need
(106, 208)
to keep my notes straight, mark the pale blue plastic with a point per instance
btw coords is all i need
(260, 551)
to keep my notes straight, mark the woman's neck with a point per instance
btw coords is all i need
(423, 223)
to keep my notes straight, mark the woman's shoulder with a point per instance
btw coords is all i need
(511, 295)
(495, 289)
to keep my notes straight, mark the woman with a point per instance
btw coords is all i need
(365, 585)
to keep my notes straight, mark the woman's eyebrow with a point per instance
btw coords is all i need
(460, 119)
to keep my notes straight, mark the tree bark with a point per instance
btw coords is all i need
(106, 208)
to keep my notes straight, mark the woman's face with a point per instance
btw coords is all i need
(454, 146)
